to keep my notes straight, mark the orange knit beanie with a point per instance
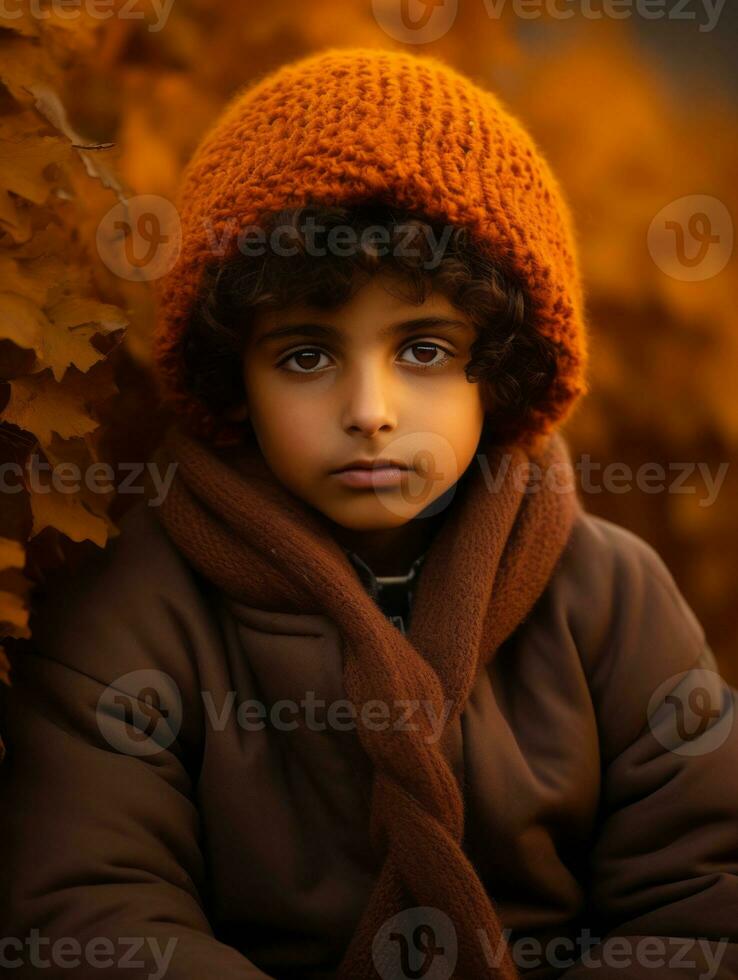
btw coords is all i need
(350, 125)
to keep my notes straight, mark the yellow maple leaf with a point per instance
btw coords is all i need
(45, 268)
(67, 514)
(21, 20)
(12, 554)
(40, 405)
(24, 63)
(15, 217)
(24, 163)
(96, 486)
(22, 321)
(50, 106)
(74, 311)
(70, 326)
(5, 678)
(13, 616)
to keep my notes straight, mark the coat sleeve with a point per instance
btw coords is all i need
(99, 832)
(663, 870)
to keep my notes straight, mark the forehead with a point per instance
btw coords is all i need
(375, 304)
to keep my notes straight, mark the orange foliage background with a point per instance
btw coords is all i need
(94, 111)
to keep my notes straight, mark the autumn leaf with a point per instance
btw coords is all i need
(66, 513)
(13, 607)
(42, 406)
(97, 487)
(76, 311)
(20, 20)
(5, 678)
(48, 103)
(13, 616)
(22, 322)
(68, 329)
(14, 217)
(24, 165)
(12, 554)
(44, 268)
(25, 63)
(51, 305)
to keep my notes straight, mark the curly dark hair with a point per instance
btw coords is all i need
(510, 358)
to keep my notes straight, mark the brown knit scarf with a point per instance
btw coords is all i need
(487, 565)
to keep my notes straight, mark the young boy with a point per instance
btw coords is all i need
(370, 694)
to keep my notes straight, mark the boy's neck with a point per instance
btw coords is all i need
(390, 551)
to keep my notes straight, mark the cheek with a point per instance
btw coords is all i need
(288, 428)
(465, 423)
(291, 435)
(459, 413)
(270, 406)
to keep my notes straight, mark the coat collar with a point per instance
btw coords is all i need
(392, 593)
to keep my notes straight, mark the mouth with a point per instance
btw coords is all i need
(374, 475)
(372, 464)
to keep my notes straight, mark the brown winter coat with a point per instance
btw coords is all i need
(250, 847)
(490, 559)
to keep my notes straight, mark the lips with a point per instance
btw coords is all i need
(373, 464)
(371, 477)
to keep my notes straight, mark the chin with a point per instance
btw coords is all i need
(372, 518)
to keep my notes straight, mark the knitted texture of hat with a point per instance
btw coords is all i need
(352, 125)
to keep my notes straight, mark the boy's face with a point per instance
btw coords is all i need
(350, 384)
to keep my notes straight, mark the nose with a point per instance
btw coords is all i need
(369, 403)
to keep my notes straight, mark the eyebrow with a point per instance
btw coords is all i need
(325, 331)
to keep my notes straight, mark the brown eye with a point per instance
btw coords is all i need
(307, 360)
(426, 355)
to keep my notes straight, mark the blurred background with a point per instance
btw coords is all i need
(636, 112)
